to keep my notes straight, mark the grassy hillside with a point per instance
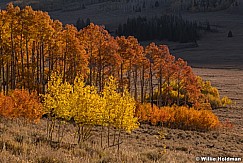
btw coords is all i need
(136, 6)
(20, 142)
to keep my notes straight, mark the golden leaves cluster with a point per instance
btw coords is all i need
(211, 96)
(88, 107)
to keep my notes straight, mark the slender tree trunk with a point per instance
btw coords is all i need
(151, 84)
(79, 134)
(17, 71)
(74, 67)
(64, 62)
(100, 75)
(22, 57)
(101, 136)
(3, 84)
(146, 87)
(4, 81)
(43, 68)
(160, 87)
(1, 64)
(108, 135)
(38, 68)
(118, 143)
(178, 90)
(122, 87)
(12, 67)
(142, 85)
(95, 76)
(168, 90)
(178, 96)
(100, 68)
(135, 83)
(7, 78)
(58, 62)
(53, 123)
(33, 65)
(28, 64)
(50, 62)
(90, 66)
(129, 76)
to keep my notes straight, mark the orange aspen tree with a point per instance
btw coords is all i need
(169, 71)
(127, 51)
(75, 57)
(151, 51)
(180, 76)
(90, 39)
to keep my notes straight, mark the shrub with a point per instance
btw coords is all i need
(230, 34)
(21, 104)
(27, 105)
(6, 106)
(211, 95)
(178, 117)
(226, 101)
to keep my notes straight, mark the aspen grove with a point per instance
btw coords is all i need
(91, 78)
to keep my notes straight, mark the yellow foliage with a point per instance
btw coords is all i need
(58, 99)
(211, 95)
(119, 108)
(87, 106)
(226, 101)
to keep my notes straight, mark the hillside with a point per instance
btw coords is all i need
(216, 50)
(113, 12)
(196, 5)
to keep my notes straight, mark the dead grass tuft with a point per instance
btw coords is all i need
(153, 155)
(48, 159)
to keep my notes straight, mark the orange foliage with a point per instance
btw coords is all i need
(143, 112)
(6, 106)
(146, 113)
(21, 104)
(178, 117)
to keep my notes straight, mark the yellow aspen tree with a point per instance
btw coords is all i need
(87, 109)
(57, 101)
(120, 109)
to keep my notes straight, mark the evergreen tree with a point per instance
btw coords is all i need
(80, 24)
(87, 22)
(170, 27)
(230, 34)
